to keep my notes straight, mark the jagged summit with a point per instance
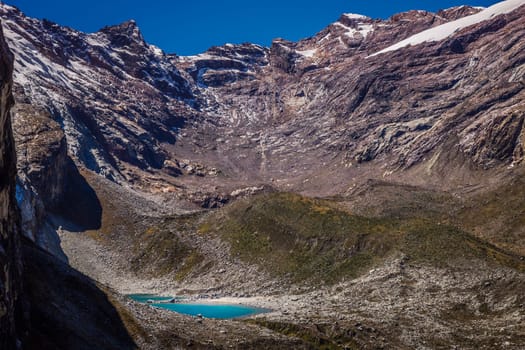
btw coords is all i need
(124, 34)
(8, 8)
(128, 27)
(457, 12)
(355, 25)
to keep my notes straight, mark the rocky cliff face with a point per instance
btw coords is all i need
(27, 314)
(42, 173)
(100, 87)
(42, 151)
(10, 263)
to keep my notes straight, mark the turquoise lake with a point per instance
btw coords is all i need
(142, 298)
(219, 311)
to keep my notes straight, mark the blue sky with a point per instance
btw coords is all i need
(191, 26)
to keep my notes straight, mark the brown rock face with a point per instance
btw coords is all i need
(41, 151)
(10, 265)
(43, 168)
(50, 190)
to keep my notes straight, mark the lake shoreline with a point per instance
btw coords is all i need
(218, 308)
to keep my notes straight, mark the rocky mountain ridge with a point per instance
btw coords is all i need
(133, 113)
(78, 85)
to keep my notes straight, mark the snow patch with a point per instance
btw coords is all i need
(307, 53)
(363, 29)
(7, 7)
(366, 29)
(355, 16)
(156, 50)
(97, 40)
(465, 6)
(326, 37)
(445, 30)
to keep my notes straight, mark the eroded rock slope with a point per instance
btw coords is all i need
(313, 115)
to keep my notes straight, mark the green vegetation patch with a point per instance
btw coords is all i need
(312, 240)
(498, 215)
(302, 238)
(193, 260)
(160, 249)
(162, 252)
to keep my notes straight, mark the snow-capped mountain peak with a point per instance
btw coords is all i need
(446, 30)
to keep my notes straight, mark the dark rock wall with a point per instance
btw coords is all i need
(10, 263)
(68, 310)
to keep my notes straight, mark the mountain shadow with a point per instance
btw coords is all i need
(80, 208)
(66, 309)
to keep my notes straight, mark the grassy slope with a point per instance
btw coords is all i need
(317, 240)
(498, 216)
(148, 246)
(312, 240)
(160, 251)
